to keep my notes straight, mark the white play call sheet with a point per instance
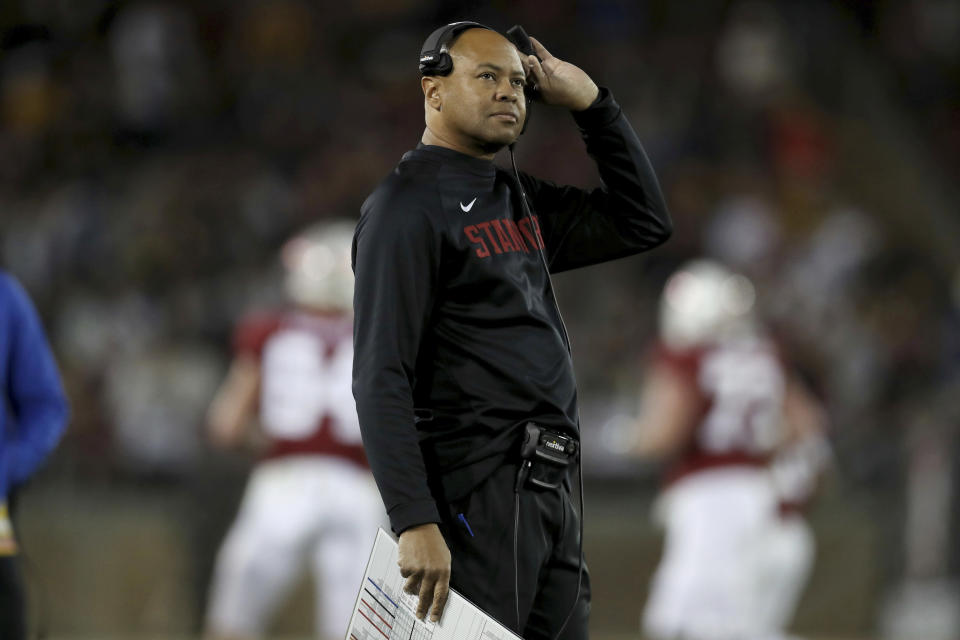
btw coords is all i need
(384, 612)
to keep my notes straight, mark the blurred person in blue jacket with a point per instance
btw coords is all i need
(31, 424)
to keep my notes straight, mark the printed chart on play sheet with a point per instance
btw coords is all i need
(384, 612)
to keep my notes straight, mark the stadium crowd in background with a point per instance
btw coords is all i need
(154, 156)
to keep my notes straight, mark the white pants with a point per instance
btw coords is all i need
(298, 512)
(709, 584)
(789, 557)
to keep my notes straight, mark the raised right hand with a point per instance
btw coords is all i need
(424, 561)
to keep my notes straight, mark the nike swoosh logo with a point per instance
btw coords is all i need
(466, 207)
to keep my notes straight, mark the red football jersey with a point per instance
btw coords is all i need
(739, 388)
(306, 401)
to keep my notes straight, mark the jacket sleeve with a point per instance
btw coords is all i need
(625, 216)
(396, 255)
(38, 406)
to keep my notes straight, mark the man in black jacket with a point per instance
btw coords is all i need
(459, 344)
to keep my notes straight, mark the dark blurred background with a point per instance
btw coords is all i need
(155, 154)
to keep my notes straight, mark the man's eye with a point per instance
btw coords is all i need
(486, 76)
(517, 82)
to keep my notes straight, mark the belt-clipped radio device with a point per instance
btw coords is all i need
(545, 456)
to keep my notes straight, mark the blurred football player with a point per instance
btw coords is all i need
(311, 501)
(720, 405)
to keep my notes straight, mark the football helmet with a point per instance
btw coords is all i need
(317, 266)
(704, 302)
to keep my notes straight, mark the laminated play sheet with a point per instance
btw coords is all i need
(384, 612)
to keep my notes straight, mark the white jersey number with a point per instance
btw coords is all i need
(301, 386)
(746, 386)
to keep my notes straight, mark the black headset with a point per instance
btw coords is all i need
(435, 58)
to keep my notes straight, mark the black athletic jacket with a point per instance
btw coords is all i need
(458, 340)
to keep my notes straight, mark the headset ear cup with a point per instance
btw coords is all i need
(441, 65)
(529, 97)
(444, 65)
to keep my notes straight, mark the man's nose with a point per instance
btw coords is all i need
(507, 92)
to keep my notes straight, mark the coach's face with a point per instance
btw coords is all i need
(480, 105)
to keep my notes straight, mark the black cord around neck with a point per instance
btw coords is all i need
(576, 599)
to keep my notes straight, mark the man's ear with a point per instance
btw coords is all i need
(431, 86)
